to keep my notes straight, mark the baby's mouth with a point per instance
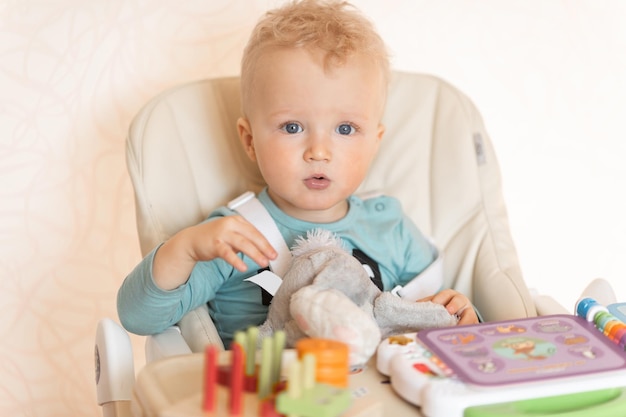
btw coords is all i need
(317, 182)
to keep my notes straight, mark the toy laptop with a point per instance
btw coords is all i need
(541, 366)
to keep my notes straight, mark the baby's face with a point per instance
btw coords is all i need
(313, 132)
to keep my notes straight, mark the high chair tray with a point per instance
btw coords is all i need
(172, 387)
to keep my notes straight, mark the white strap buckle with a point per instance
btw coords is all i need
(235, 203)
(251, 209)
(428, 282)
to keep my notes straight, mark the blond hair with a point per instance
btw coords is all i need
(336, 28)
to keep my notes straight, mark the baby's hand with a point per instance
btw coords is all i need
(219, 238)
(225, 237)
(456, 303)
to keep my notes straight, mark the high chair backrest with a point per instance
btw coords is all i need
(185, 159)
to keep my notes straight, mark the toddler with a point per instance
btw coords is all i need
(313, 83)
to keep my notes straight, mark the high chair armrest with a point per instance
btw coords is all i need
(600, 290)
(192, 334)
(168, 343)
(546, 305)
(198, 330)
(114, 364)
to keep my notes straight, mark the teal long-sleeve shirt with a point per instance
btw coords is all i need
(375, 229)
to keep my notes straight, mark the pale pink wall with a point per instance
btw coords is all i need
(73, 73)
(548, 76)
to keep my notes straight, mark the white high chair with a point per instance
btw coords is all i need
(185, 159)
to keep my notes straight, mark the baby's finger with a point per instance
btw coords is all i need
(467, 316)
(256, 254)
(261, 248)
(229, 253)
(443, 297)
(457, 304)
(236, 262)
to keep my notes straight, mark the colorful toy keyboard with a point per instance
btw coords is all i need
(542, 364)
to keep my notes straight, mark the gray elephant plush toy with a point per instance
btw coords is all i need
(327, 293)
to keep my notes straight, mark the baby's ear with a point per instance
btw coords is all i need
(245, 136)
(381, 131)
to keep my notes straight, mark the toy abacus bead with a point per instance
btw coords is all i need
(608, 328)
(618, 334)
(604, 321)
(582, 306)
(602, 318)
(332, 359)
(588, 308)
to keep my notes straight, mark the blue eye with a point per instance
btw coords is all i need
(345, 129)
(292, 128)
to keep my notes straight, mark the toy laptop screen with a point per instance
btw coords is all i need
(524, 350)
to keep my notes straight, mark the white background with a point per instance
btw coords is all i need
(548, 76)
